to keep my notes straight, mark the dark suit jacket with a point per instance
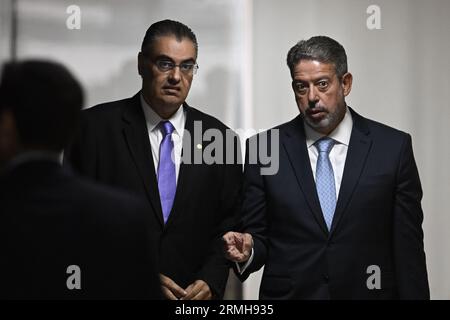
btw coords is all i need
(377, 220)
(113, 147)
(50, 220)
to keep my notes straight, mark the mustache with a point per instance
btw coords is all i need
(314, 106)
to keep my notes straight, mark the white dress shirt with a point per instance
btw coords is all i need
(152, 119)
(338, 154)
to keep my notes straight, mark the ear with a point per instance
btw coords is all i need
(141, 64)
(7, 122)
(347, 80)
(9, 142)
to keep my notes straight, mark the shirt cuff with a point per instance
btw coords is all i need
(241, 267)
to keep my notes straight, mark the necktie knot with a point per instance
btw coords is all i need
(324, 145)
(167, 128)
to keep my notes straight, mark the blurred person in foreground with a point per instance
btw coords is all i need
(61, 236)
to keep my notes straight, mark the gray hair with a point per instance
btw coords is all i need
(319, 48)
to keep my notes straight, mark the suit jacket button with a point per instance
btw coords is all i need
(326, 278)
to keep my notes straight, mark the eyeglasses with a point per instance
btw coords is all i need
(187, 68)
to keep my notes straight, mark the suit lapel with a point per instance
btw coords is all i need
(358, 150)
(294, 142)
(136, 136)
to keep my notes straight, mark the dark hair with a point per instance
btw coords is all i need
(168, 28)
(45, 100)
(320, 48)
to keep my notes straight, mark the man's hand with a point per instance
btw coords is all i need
(238, 246)
(170, 289)
(199, 290)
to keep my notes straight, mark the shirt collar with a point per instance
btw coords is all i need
(153, 119)
(341, 134)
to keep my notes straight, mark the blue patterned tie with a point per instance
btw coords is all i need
(326, 188)
(167, 183)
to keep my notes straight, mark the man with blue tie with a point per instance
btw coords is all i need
(143, 144)
(341, 219)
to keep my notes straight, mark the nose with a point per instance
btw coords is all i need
(175, 75)
(312, 97)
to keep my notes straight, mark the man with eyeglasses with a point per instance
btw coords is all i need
(141, 144)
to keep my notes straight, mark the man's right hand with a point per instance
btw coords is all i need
(238, 246)
(170, 289)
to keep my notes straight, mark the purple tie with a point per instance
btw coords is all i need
(167, 183)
